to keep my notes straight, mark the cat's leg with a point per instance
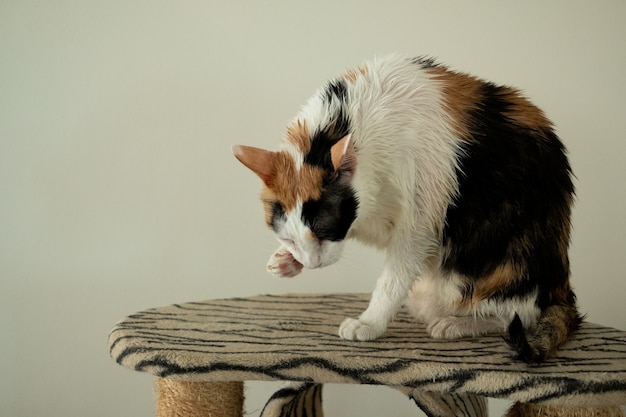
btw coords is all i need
(454, 327)
(283, 264)
(389, 294)
(433, 296)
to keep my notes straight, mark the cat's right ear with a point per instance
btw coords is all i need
(259, 161)
(342, 154)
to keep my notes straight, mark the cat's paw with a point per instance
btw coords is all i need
(454, 327)
(283, 264)
(353, 329)
(447, 328)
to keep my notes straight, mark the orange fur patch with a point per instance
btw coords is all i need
(503, 276)
(288, 185)
(523, 112)
(298, 135)
(354, 73)
(268, 198)
(461, 92)
(560, 295)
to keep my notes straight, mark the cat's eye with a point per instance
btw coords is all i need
(287, 242)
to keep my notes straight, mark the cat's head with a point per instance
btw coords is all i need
(307, 195)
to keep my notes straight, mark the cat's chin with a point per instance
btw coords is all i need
(316, 266)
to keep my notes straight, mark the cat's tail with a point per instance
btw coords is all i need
(555, 326)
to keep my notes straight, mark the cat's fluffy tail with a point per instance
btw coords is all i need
(555, 326)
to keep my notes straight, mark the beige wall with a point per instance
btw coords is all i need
(118, 191)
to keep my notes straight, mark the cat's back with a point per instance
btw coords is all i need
(384, 90)
(389, 75)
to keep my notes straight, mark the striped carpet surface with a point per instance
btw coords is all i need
(294, 338)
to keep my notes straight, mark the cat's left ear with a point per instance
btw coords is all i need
(342, 154)
(260, 161)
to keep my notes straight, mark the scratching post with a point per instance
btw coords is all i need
(196, 348)
(194, 399)
(537, 410)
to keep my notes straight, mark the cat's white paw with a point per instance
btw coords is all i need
(353, 329)
(283, 264)
(454, 327)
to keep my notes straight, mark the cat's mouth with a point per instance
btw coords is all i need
(308, 260)
(313, 263)
(310, 265)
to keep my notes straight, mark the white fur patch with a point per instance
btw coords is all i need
(434, 300)
(302, 243)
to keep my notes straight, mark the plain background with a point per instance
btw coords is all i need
(118, 191)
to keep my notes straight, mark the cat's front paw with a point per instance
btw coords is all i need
(353, 329)
(283, 264)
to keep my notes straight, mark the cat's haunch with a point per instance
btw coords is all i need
(461, 182)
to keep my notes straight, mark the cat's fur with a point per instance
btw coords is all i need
(463, 184)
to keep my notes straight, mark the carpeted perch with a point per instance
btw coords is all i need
(202, 352)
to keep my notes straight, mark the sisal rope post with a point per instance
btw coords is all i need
(192, 399)
(538, 410)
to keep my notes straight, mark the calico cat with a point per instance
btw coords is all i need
(461, 182)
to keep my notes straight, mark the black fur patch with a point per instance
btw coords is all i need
(336, 90)
(330, 217)
(424, 61)
(515, 190)
(517, 339)
(277, 215)
(326, 136)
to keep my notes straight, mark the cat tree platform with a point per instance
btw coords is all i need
(201, 352)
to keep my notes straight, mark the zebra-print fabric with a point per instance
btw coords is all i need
(294, 338)
(435, 404)
(297, 399)
(304, 399)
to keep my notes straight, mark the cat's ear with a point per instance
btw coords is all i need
(342, 153)
(260, 161)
